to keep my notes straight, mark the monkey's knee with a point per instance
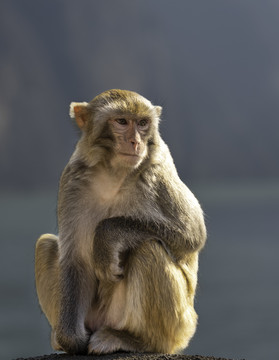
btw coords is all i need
(46, 254)
(46, 245)
(46, 274)
(46, 241)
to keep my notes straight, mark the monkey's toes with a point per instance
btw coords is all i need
(99, 346)
(103, 342)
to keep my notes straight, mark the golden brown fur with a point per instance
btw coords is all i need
(122, 273)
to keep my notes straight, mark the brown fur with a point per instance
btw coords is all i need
(122, 273)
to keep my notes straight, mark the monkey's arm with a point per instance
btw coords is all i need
(115, 236)
(75, 294)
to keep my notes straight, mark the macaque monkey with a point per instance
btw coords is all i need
(122, 273)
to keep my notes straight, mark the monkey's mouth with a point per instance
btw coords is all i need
(130, 155)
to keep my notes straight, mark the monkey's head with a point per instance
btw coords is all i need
(119, 127)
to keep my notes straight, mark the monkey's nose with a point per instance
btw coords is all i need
(135, 144)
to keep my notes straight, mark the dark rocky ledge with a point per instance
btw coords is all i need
(123, 356)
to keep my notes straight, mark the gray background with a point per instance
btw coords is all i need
(214, 67)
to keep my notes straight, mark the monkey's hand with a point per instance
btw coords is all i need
(109, 271)
(107, 254)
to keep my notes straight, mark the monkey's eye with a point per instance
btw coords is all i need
(121, 121)
(143, 123)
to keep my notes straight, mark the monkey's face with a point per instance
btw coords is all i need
(130, 136)
(118, 126)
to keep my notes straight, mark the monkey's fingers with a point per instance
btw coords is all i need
(111, 273)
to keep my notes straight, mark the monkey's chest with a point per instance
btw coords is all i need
(105, 189)
(113, 196)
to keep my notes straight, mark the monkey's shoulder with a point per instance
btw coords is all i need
(162, 186)
(75, 170)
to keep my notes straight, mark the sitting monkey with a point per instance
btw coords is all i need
(122, 273)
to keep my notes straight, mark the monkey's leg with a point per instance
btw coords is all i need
(65, 294)
(77, 289)
(46, 274)
(151, 309)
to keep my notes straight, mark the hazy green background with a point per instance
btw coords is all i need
(214, 67)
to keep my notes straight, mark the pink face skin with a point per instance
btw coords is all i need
(129, 134)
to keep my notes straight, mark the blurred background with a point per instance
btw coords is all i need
(214, 67)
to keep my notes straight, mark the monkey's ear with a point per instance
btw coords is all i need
(158, 110)
(79, 111)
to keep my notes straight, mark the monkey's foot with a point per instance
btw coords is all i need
(106, 341)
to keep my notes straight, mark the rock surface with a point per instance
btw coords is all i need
(123, 356)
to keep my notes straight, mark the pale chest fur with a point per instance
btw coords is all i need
(113, 196)
(102, 195)
(105, 188)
